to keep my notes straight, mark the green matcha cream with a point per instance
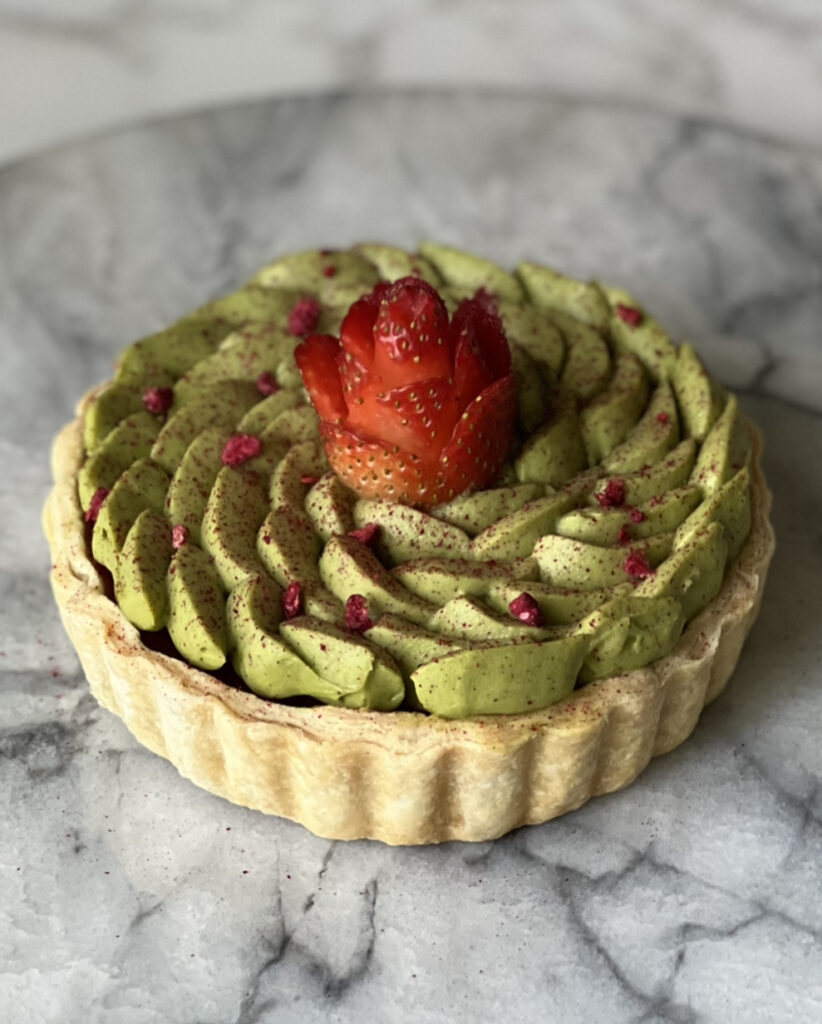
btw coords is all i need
(626, 496)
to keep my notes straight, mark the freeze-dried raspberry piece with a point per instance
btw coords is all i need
(637, 515)
(366, 534)
(179, 536)
(629, 315)
(663, 417)
(309, 478)
(614, 494)
(526, 609)
(96, 504)
(303, 317)
(636, 566)
(624, 535)
(158, 400)
(357, 618)
(240, 449)
(293, 600)
(267, 384)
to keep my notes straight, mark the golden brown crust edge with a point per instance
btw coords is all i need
(399, 777)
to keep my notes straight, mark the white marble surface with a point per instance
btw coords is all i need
(695, 896)
(70, 67)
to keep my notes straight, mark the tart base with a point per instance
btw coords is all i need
(399, 777)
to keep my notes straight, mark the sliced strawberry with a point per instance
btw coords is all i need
(354, 377)
(472, 458)
(411, 334)
(480, 316)
(413, 408)
(357, 328)
(486, 300)
(317, 359)
(375, 471)
(417, 417)
(471, 375)
(482, 439)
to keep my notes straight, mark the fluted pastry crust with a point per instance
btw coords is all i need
(400, 777)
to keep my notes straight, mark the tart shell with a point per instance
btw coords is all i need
(399, 777)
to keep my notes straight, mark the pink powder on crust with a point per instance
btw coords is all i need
(240, 449)
(614, 494)
(366, 534)
(96, 504)
(293, 600)
(357, 618)
(303, 317)
(158, 400)
(179, 536)
(526, 609)
(624, 535)
(636, 566)
(629, 315)
(267, 384)
(309, 478)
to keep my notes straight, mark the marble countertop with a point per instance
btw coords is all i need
(71, 67)
(128, 895)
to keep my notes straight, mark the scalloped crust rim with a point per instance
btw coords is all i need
(399, 777)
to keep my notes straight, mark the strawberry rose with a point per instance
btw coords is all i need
(415, 407)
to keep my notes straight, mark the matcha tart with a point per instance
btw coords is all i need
(407, 546)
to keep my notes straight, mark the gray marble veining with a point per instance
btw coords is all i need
(126, 894)
(70, 67)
